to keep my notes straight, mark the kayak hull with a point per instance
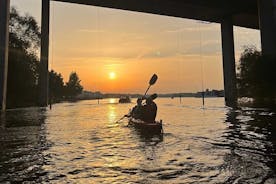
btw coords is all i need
(146, 127)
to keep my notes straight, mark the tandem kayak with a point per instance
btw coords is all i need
(146, 127)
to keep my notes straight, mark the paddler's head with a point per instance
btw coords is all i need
(148, 100)
(139, 101)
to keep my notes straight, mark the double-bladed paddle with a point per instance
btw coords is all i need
(152, 81)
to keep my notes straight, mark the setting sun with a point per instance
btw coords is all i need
(112, 75)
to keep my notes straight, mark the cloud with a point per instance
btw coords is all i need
(192, 28)
(91, 31)
(208, 48)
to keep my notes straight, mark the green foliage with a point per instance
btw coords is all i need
(59, 91)
(24, 31)
(56, 86)
(23, 66)
(257, 77)
(73, 86)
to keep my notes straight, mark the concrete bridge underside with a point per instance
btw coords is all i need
(256, 14)
(244, 13)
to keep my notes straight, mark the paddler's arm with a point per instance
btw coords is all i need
(128, 115)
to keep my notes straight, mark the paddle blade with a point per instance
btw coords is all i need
(153, 79)
(153, 96)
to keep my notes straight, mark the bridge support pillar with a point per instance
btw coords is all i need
(44, 54)
(4, 50)
(267, 23)
(229, 70)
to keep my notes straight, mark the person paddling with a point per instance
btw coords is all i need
(149, 110)
(137, 111)
(153, 110)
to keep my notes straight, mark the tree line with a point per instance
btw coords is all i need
(256, 77)
(58, 90)
(23, 66)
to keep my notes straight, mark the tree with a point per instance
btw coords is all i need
(56, 86)
(73, 86)
(24, 39)
(257, 77)
(23, 68)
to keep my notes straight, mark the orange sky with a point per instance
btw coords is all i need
(96, 41)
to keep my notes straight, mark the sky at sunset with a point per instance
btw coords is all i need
(118, 51)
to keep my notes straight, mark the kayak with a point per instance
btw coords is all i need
(146, 127)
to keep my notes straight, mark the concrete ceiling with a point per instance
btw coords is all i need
(243, 12)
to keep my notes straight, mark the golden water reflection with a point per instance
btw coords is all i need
(113, 100)
(112, 115)
(80, 142)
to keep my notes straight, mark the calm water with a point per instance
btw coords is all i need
(81, 143)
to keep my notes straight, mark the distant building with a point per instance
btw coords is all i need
(87, 95)
(212, 93)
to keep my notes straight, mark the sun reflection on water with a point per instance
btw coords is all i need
(111, 113)
(112, 100)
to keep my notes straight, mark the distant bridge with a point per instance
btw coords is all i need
(256, 14)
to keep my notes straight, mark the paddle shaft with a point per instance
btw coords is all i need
(151, 82)
(147, 90)
(121, 119)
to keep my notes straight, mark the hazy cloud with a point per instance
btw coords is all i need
(91, 31)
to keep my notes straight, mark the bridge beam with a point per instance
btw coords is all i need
(44, 54)
(4, 50)
(267, 24)
(229, 70)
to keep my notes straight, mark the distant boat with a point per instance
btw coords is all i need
(124, 99)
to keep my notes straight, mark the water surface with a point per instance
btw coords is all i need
(81, 143)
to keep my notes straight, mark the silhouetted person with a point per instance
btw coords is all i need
(137, 111)
(149, 111)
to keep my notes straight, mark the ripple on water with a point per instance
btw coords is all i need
(210, 145)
